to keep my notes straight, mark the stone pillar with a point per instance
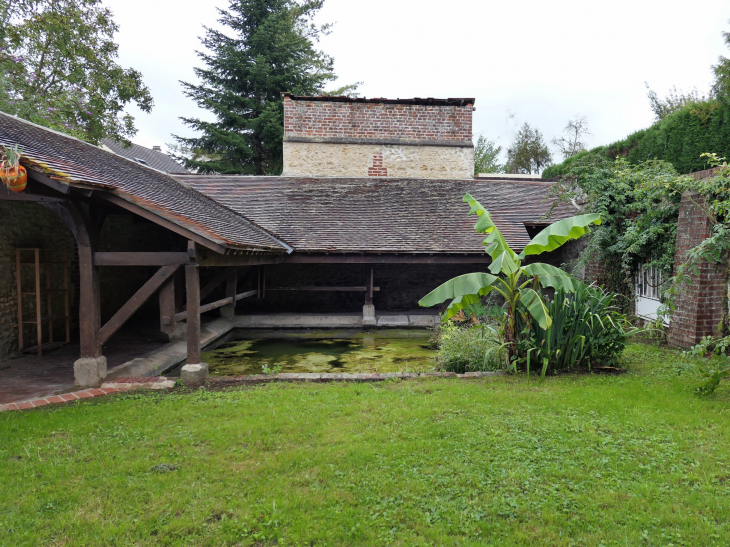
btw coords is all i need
(699, 305)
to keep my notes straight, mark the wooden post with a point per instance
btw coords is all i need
(65, 296)
(192, 289)
(369, 285)
(89, 306)
(38, 302)
(167, 306)
(19, 286)
(231, 286)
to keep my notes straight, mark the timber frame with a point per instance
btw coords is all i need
(177, 278)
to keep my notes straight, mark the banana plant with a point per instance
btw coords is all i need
(508, 277)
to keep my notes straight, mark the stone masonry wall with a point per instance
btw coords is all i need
(30, 225)
(329, 119)
(699, 306)
(312, 159)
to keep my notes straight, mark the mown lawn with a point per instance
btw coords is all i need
(635, 459)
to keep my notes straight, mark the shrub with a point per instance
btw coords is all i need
(587, 331)
(469, 348)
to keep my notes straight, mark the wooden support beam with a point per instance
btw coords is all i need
(370, 288)
(167, 306)
(231, 289)
(206, 258)
(141, 259)
(472, 258)
(157, 219)
(219, 278)
(333, 289)
(192, 289)
(134, 303)
(183, 315)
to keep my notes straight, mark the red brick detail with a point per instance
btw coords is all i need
(699, 305)
(83, 395)
(69, 397)
(377, 120)
(26, 405)
(95, 392)
(55, 399)
(377, 170)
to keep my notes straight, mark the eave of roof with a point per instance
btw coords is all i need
(429, 101)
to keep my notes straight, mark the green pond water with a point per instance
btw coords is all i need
(362, 352)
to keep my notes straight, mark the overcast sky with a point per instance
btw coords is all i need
(539, 61)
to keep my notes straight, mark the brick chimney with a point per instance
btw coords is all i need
(358, 137)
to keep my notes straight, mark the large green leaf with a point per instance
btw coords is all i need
(495, 242)
(550, 276)
(504, 263)
(478, 283)
(559, 232)
(536, 307)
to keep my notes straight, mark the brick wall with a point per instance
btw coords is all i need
(699, 306)
(357, 120)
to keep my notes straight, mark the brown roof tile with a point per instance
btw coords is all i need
(379, 214)
(79, 163)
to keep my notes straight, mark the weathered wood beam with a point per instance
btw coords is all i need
(183, 315)
(370, 287)
(338, 289)
(48, 181)
(134, 303)
(167, 306)
(7, 195)
(141, 259)
(210, 259)
(219, 278)
(387, 259)
(149, 215)
(192, 315)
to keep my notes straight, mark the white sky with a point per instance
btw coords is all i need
(539, 61)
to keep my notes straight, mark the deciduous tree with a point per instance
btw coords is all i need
(574, 137)
(486, 156)
(528, 153)
(58, 64)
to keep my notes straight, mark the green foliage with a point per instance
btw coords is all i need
(639, 207)
(267, 48)
(486, 156)
(507, 273)
(469, 348)
(587, 331)
(680, 138)
(58, 68)
(528, 153)
(716, 366)
(721, 86)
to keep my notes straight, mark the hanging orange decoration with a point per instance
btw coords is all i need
(11, 172)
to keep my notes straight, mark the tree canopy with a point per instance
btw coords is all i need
(486, 156)
(528, 153)
(58, 68)
(267, 48)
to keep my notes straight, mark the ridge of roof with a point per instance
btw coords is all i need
(152, 158)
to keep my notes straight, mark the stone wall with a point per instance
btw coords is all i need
(699, 305)
(30, 225)
(315, 159)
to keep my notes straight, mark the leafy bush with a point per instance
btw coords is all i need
(469, 348)
(718, 365)
(587, 331)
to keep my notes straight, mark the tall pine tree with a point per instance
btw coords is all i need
(269, 49)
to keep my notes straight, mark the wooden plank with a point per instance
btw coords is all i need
(167, 306)
(141, 259)
(134, 303)
(192, 287)
(65, 296)
(369, 281)
(324, 289)
(38, 302)
(182, 316)
(476, 258)
(18, 285)
(209, 259)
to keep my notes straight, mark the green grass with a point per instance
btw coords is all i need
(635, 459)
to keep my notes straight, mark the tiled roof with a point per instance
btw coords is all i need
(78, 163)
(152, 158)
(379, 214)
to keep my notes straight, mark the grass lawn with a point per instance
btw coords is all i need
(635, 459)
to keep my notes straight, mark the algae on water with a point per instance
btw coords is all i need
(363, 352)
